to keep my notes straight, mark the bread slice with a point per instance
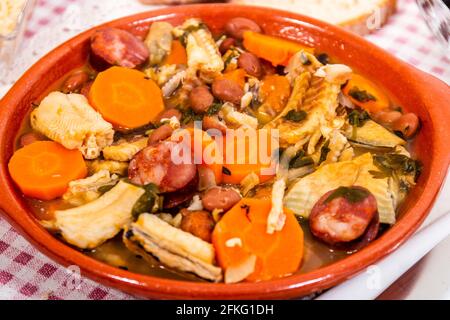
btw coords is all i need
(360, 16)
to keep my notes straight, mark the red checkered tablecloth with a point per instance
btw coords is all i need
(27, 274)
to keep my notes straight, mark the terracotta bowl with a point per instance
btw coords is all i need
(414, 90)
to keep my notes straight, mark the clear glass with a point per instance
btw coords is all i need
(437, 16)
(10, 44)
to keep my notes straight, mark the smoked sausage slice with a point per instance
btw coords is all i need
(154, 165)
(343, 215)
(119, 47)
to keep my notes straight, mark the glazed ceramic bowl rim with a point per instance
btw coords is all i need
(149, 285)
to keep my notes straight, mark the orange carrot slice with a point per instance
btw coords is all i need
(242, 156)
(44, 169)
(177, 54)
(275, 91)
(273, 49)
(366, 94)
(278, 254)
(205, 150)
(237, 76)
(126, 98)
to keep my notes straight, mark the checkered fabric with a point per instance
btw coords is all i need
(27, 274)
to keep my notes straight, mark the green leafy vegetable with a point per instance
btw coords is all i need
(323, 58)
(324, 152)
(150, 201)
(358, 118)
(189, 115)
(214, 109)
(300, 160)
(361, 95)
(226, 171)
(106, 188)
(296, 116)
(397, 164)
(351, 194)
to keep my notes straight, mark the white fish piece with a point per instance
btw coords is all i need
(173, 247)
(114, 167)
(237, 273)
(202, 51)
(277, 218)
(159, 41)
(85, 190)
(335, 73)
(173, 83)
(303, 195)
(92, 224)
(69, 120)
(373, 134)
(240, 119)
(301, 62)
(124, 150)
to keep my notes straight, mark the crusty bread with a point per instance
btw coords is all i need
(360, 16)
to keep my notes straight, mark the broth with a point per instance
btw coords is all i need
(113, 252)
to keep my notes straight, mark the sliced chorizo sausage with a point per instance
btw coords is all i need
(343, 215)
(119, 47)
(198, 223)
(220, 198)
(154, 165)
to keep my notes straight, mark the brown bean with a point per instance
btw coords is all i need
(387, 118)
(213, 122)
(198, 223)
(75, 82)
(29, 138)
(201, 99)
(227, 90)
(226, 45)
(119, 47)
(220, 198)
(407, 124)
(167, 114)
(237, 26)
(267, 67)
(160, 134)
(250, 63)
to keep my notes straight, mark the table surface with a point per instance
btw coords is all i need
(27, 274)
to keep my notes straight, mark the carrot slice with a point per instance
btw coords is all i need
(177, 54)
(126, 98)
(275, 91)
(205, 151)
(366, 94)
(276, 50)
(44, 169)
(278, 254)
(237, 76)
(242, 156)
